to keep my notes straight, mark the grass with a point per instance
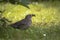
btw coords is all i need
(45, 25)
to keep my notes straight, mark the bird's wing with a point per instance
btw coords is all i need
(19, 23)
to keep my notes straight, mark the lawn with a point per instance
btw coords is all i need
(45, 26)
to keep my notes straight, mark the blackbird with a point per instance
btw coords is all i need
(24, 23)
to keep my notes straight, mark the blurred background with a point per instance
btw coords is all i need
(45, 26)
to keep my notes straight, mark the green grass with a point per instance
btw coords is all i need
(45, 26)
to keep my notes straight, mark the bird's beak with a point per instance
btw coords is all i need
(33, 14)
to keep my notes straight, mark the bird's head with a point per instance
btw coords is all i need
(29, 16)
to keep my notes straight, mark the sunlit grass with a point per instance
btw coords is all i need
(42, 13)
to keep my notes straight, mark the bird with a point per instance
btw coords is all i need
(24, 23)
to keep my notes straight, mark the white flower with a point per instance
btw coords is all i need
(44, 34)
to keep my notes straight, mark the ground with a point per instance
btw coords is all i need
(45, 26)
